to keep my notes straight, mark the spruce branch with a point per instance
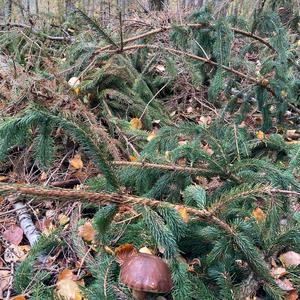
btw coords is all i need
(196, 26)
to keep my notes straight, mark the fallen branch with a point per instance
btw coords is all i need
(161, 167)
(105, 198)
(36, 32)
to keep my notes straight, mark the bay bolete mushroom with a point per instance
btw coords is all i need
(144, 273)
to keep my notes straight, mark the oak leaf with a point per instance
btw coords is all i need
(14, 234)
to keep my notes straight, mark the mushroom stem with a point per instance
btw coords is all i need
(139, 295)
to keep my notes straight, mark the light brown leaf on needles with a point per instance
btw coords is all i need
(258, 214)
(4, 281)
(290, 258)
(284, 284)
(136, 123)
(66, 274)
(76, 162)
(14, 234)
(86, 231)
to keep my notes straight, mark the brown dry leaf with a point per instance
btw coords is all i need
(76, 162)
(290, 258)
(86, 231)
(19, 297)
(136, 123)
(293, 295)
(132, 158)
(205, 120)
(181, 162)
(68, 289)
(278, 272)
(66, 274)
(258, 214)
(14, 234)
(46, 226)
(4, 281)
(16, 253)
(284, 284)
(3, 178)
(183, 214)
(63, 219)
(260, 135)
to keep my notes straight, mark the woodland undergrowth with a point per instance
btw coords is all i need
(181, 137)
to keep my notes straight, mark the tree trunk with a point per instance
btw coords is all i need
(156, 4)
(69, 7)
(7, 10)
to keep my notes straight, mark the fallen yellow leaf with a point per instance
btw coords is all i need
(136, 123)
(258, 214)
(68, 289)
(86, 231)
(76, 162)
(260, 135)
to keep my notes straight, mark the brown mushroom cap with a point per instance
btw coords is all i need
(147, 273)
